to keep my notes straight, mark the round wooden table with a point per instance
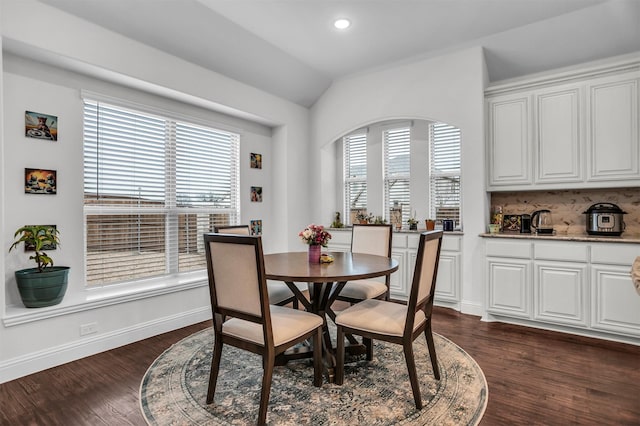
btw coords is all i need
(326, 280)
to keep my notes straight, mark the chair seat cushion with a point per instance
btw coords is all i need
(363, 289)
(287, 324)
(378, 316)
(278, 292)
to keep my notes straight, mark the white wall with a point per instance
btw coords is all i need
(31, 340)
(450, 89)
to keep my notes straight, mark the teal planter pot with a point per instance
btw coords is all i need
(40, 289)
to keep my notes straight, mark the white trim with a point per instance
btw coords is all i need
(41, 360)
(106, 296)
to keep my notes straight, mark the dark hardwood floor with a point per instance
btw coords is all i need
(535, 377)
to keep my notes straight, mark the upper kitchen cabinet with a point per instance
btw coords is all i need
(569, 130)
(613, 136)
(509, 140)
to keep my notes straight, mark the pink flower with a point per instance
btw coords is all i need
(315, 235)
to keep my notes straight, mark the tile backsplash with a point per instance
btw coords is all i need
(568, 206)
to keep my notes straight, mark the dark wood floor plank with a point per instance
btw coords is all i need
(535, 377)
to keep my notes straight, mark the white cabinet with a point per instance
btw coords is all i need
(613, 118)
(582, 131)
(509, 287)
(561, 292)
(404, 250)
(558, 133)
(615, 304)
(566, 286)
(509, 278)
(509, 150)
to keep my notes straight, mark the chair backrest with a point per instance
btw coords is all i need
(237, 283)
(232, 229)
(425, 272)
(371, 239)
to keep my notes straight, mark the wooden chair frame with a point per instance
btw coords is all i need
(268, 351)
(409, 334)
(245, 230)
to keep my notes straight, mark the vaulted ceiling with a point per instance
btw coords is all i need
(289, 47)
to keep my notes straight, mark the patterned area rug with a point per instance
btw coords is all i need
(173, 391)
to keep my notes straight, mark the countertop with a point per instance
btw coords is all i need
(624, 238)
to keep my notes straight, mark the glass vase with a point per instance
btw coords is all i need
(314, 253)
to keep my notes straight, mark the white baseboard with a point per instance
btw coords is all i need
(38, 361)
(472, 308)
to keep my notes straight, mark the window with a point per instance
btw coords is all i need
(444, 172)
(397, 170)
(355, 173)
(152, 186)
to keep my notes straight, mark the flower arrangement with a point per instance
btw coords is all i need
(315, 235)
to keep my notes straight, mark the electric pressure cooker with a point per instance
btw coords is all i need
(605, 219)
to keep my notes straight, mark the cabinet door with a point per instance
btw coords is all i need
(509, 287)
(615, 304)
(560, 292)
(613, 133)
(398, 287)
(447, 283)
(558, 135)
(509, 145)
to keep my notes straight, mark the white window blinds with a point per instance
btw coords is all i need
(444, 172)
(153, 185)
(355, 172)
(397, 171)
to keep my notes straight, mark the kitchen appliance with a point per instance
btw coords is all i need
(525, 224)
(605, 219)
(541, 222)
(447, 224)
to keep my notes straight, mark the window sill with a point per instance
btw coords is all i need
(105, 296)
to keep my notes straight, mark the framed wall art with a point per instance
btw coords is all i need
(256, 194)
(40, 126)
(40, 181)
(256, 161)
(256, 227)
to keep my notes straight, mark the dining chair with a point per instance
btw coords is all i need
(243, 317)
(279, 293)
(398, 323)
(369, 239)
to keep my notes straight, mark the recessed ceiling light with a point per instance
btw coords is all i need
(342, 23)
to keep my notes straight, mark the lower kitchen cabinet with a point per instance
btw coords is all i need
(404, 250)
(582, 287)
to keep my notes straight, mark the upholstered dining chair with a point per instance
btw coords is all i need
(279, 293)
(369, 239)
(398, 323)
(242, 316)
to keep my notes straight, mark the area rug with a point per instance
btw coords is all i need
(378, 392)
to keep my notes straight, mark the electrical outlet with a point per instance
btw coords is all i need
(89, 328)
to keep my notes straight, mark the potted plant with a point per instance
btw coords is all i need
(44, 285)
(413, 223)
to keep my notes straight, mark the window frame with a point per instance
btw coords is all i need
(170, 209)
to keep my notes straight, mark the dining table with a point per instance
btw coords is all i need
(325, 281)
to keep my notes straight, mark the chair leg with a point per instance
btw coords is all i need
(368, 344)
(269, 363)
(432, 351)
(413, 375)
(215, 368)
(317, 358)
(339, 379)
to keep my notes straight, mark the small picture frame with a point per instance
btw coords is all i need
(512, 223)
(256, 194)
(29, 247)
(256, 227)
(40, 181)
(40, 126)
(256, 161)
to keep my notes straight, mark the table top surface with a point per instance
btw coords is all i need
(294, 266)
